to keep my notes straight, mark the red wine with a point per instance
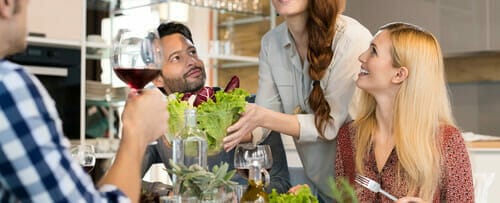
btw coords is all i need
(244, 172)
(88, 168)
(136, 78)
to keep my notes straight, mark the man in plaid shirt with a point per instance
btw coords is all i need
(35, 165)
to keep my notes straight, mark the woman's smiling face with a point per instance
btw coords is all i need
(377, 69)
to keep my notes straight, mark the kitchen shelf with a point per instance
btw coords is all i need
(54, 42)
(213, 6)
(119, 9)
(99, 45)
(242, 21)
(237, 65)
(248, 59)
(238, 61)
(97, 50)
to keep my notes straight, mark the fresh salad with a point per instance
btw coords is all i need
(216, 111)
(303, 195)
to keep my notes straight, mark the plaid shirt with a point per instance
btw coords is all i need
(35, 165)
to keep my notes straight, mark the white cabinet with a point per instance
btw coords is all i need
(461, 26)
(56, 19)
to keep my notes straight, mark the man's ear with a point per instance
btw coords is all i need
(158, 81)
(401, 75)
(7, 8)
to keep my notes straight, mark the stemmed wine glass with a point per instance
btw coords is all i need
(85, 155)
(245, 154)
(137, 57)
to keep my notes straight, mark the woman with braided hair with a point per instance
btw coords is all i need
(307, 71)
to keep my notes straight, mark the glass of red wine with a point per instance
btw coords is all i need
(85, 155)
(244, 154)
(137, 57)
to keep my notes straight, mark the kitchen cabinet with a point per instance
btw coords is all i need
(49, 26)
(50, 20)
(463, 26)
(373, 14)
(493, 24)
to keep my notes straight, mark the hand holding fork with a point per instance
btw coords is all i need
(372, 186)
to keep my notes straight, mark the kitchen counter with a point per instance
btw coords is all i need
(484, 145)
(485, 160)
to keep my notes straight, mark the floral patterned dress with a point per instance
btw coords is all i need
(456, 181)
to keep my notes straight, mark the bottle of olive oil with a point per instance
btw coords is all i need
(255, 191)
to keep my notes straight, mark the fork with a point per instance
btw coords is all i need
(372, 186)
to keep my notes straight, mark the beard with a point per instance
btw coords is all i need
(182, 84)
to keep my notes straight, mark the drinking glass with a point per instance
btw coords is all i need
(85, 155)
(137, 57)
(245, 154)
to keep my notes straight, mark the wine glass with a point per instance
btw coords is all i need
(85, 155)
(245, 154)
(137, 57)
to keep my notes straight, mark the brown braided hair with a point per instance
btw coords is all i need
(320, 27)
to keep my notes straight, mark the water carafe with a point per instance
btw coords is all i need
(190, 146)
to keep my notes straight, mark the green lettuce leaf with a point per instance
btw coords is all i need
(304, 195)
(176, 109)
(213, 117)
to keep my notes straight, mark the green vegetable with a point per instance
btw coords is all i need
(197, 181)
(213, 117)
(176, 109)
(342, 191)
(303, 195)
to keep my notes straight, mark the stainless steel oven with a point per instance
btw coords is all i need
(59, 71)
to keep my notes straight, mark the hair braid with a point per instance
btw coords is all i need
(321, 31)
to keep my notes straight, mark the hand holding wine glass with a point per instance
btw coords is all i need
(85, 155)
(137, 58)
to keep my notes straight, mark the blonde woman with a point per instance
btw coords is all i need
(404, 136)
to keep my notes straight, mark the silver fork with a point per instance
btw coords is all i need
(372, 185)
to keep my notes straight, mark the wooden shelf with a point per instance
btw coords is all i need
(480, 67)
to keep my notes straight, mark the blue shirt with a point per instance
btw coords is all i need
(35, 164)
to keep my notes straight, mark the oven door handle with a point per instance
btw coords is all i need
(48, 71)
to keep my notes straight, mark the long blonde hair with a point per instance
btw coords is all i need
(421, 107)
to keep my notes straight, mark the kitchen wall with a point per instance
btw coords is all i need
(474, 83)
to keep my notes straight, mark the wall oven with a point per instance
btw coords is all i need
(59, 71)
